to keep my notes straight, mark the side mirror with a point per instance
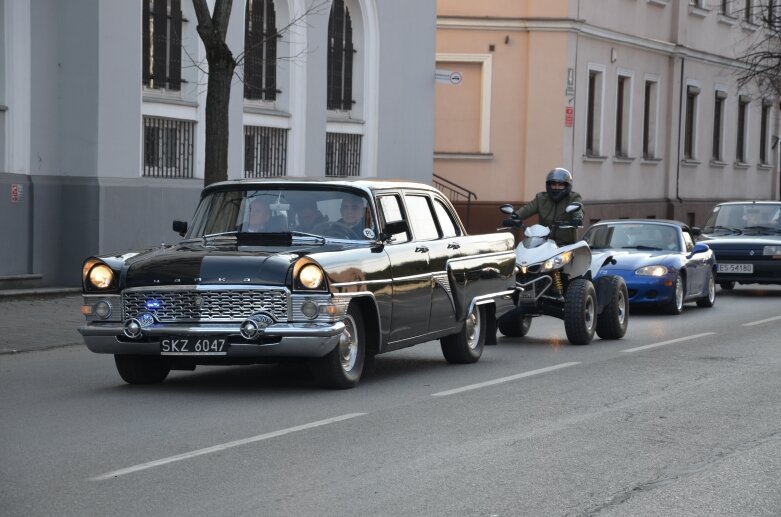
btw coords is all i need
(394, 228)
(695, 231)
(507, 209)
(180, 227)
(573, 207)
(700, 247)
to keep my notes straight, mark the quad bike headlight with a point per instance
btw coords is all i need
(651, 271)
(558, 261)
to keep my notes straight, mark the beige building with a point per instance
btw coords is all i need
(638, 98)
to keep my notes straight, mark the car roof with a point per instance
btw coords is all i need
(664, 222)
(749, 203)
(359, 182)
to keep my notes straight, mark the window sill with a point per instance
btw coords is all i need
(342, 116)
(726, 19)
(688, 162)
(661, 3)
(257, 109)
(463, 156)
(742, 165)
(749, 26)
(650, 161)
(718, 163)
(698, 11)
(765, 167)
(623, 159)
(166, 97)
(594, 158)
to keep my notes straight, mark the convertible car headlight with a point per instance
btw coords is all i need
(772, 250)
(651, 271)
(100, 276)
(311, 276)
(557, 261)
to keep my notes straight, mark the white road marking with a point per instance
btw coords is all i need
(222, 447)
(663, 343)
(502, 380)
(760, 322)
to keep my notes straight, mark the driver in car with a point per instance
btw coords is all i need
(353, 210)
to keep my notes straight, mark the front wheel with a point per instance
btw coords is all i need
(342, 367)
(614, 319)
(514, 323)
(467, 345)
(580, 312)
(710, 298)
(142, 369)
(675, 305)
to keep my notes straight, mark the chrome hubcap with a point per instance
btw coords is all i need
(621, 307)
(678, 293)
(473, 328)
(348, 345)
(589, 313)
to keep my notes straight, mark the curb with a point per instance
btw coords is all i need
(41, 292)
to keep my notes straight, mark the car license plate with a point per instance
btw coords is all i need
(193, 346)
(736, 268)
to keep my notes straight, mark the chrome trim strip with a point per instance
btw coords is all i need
(277, 329)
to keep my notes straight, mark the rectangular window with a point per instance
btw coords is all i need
(168, 147)
(594, 114)
(162, 44)
(650, 98)
(265, 151)
(748, 11)
(623, 110)
(724, 7)
(342, 154)
(740, 151)
(260, 51)
(764, 157)
(718, 125)
(690, 134)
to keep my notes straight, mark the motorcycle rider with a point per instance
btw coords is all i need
(550, 205)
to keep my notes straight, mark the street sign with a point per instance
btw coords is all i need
(569, 116)
(448, 77)
(16, 193)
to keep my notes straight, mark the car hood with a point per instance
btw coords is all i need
(633, 259)
(740, 241)
(226, 264)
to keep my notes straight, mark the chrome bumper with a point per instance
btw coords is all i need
(297, 339)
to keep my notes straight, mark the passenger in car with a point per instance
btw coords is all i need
(308, 216)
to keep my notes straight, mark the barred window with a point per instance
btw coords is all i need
(162, 44)
(342, 154)
(168, 147)
(265, 151)
(260, 51)
(340, 58)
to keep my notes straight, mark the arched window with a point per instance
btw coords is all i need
(260, 51)
(340, 58)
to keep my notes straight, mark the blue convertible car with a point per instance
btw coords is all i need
(659, 261)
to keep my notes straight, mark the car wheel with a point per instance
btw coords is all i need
(342, 367)
(614, 319)
(467, 345)
(580, 312)
(142, 369)
(709, 299)
(514, 323)
(727, 286)
(675, 305)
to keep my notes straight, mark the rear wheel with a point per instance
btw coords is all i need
(580, 312)
(514, 323)
(614, 319)
(466, 346)
(342, 367)
(675, 305)
(727, 286)
(142, 369)
(710, 298)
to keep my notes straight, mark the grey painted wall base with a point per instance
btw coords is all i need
(55, 222)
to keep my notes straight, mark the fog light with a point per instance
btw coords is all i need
(310, 309)
(132, 328)
(249, 329)
(102, 309)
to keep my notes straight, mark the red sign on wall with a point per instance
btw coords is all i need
(569, 116)
(16, 192)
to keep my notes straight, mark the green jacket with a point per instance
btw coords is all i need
(550, 211)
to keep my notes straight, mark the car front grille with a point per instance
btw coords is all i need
(190, 305)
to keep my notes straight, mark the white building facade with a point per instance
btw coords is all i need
(102, 109)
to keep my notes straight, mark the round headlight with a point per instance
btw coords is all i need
(311, 276)
(101, 276)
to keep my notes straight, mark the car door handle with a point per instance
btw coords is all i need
(454, 246)
(421, 249)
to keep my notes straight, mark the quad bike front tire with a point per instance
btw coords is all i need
(580, 312)
(612, 322)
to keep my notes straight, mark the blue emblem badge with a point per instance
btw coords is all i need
(153, 304)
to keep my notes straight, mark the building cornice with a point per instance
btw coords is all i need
(580, 27)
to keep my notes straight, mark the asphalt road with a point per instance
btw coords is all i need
(679, 418)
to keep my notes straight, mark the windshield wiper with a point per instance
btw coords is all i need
(232, 234)
(645, 248)
(762, 229)
(296, 233)
(722, 228)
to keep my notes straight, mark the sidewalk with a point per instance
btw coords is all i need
(39, 319)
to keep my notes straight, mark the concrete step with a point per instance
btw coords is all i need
(21, 281)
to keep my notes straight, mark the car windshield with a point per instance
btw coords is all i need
(637, 236)
(744, 218)
(300, 211)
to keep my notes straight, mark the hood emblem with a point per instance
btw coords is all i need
(145, 319)
(198, 301)
(153, 305)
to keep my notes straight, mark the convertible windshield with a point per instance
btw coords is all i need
(745, 218)
(301, 212)
(638, 236)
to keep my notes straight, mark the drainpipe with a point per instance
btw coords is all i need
(678, 157)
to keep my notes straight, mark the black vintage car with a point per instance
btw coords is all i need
(328, 271)
(746, 239)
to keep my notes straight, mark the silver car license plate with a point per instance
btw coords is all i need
(736, 268)
(193, 346)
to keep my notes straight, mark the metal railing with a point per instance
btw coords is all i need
(265, 151)
(168, 147)
(455, 192)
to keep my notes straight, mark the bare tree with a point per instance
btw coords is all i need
(762, 58)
